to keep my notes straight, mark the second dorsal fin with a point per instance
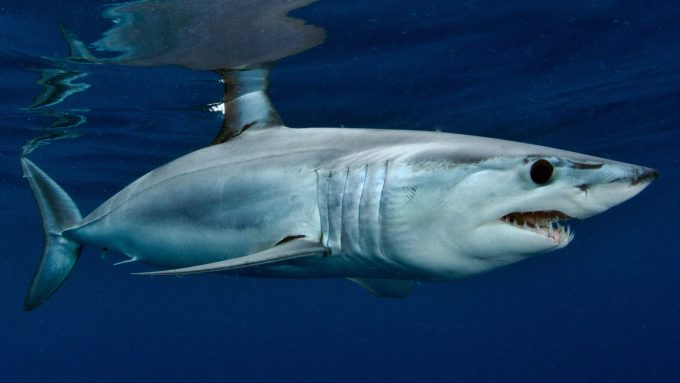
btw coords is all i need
(246, 104)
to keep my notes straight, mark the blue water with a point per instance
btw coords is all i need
(600, 77)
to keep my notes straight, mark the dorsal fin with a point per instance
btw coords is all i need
(246, 104)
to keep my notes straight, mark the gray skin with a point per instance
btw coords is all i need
(382, 204)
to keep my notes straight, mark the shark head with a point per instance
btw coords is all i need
(483, 203)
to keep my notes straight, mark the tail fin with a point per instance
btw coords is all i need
(58, 213)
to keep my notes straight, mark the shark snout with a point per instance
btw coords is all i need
(631, 175)
(644, 176)
(607, 187)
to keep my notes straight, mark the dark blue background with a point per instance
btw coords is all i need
(601, 77)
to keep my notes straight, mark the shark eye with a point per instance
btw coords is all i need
(541, 171)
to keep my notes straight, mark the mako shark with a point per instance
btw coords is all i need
(383, 208)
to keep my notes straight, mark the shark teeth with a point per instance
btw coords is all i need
(545, 223)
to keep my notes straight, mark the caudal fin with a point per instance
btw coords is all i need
(60, 254)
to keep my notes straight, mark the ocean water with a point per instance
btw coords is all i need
(599, 77)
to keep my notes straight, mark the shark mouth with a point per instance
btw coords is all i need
(545, 223)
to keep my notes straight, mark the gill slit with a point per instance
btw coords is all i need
(342, 210)
(381, 209)
(329, 233)
(322, 207)
(361, 198)
(335, 195)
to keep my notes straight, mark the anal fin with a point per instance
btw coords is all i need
(386, 288)
(297, 248)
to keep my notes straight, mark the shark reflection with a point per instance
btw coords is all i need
(201, 34)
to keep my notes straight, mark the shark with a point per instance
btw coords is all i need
(382, 208)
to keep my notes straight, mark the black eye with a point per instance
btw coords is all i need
(541, 171)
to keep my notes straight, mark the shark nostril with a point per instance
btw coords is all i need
(645, 176)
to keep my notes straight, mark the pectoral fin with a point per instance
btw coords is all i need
(297, 248)
(386, 288)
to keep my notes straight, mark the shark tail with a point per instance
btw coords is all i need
(58, 213)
